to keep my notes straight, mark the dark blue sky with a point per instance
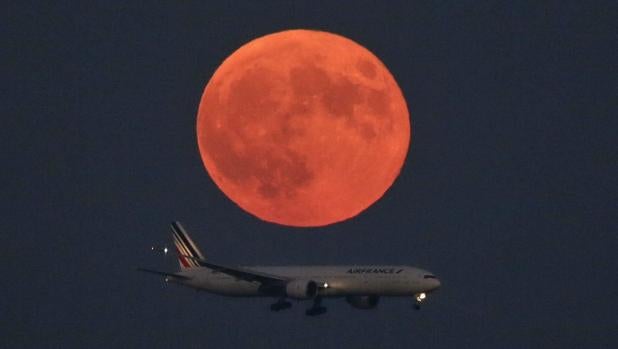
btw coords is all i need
(509, 192)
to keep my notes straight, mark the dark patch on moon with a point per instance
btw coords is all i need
(283, 175)
(367, 131)
(340, 98)
(251, 96)
(308, 81)
(366, 68)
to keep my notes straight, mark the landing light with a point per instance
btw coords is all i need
(165, 250)
(420, 297)
(326, 285)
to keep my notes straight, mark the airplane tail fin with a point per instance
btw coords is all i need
(185, 247)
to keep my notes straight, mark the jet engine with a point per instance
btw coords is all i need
(301, 289)
(363, 302)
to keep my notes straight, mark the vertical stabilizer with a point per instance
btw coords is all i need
(185, 247)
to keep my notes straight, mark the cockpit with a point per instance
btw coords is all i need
(429, 276)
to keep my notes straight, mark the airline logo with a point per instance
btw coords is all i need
(374, 271)
(185, 247)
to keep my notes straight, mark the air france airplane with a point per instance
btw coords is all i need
(362, 286)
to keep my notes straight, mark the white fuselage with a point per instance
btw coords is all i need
(351, 280)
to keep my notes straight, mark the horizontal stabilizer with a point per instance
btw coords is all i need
(162, 273)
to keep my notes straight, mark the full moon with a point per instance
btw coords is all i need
(303, 128)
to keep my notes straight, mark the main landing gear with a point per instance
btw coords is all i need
(281, 305)
(317, 307)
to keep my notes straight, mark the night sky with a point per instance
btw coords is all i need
(508, 193)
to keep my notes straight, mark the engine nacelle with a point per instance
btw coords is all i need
(301, 289)
(363, 302)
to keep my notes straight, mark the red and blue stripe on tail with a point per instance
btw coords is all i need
(185, 247)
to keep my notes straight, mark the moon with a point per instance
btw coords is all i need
(303, 128)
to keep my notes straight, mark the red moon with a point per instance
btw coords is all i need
(303, 128)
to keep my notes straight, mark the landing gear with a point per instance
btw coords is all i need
(281, 305)
(317, 307)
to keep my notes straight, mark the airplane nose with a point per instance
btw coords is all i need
(435, 284)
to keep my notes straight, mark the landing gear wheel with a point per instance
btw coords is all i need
(317, 308)
(417, 306)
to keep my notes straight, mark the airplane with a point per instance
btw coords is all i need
(361, 286)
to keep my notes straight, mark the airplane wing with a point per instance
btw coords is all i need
(243, 273)
(173, 275)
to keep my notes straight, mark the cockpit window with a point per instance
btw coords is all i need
(429, 276)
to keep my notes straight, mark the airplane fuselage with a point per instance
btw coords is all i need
(351, 280)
